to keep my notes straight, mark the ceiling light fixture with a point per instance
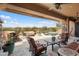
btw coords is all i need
(58, 5)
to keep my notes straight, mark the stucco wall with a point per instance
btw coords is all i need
(72, 28)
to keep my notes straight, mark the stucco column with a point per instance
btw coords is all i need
(72, 28)
(63, 25)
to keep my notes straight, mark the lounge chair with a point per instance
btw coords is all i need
(36, 49)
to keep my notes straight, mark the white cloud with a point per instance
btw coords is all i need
(4, 17)
(42, 22)
(45, 23)
(7, 19)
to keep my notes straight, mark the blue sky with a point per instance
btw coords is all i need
(14, 20)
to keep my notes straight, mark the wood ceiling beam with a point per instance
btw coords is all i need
(41, 9)
(3, 6)
(34, 10)
(25, 11)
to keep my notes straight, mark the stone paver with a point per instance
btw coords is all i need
(23, 48)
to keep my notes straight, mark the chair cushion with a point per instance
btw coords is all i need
(32, 42)
(40, 49)
(73, 45)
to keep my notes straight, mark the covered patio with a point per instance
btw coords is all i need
(66, 14)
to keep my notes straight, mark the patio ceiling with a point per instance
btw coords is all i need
(67, 9)
(31, 9)
(42, 10)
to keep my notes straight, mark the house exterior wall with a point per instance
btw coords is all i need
(72, 28)
(69, 25)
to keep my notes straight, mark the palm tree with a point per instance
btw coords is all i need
(1, 33)
(1, 24)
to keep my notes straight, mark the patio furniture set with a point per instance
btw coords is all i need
(37, 49)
